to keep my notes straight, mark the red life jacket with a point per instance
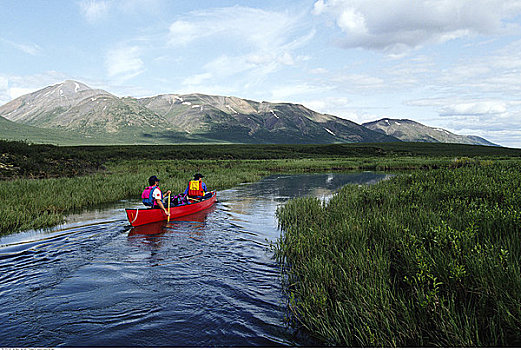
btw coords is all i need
(195, 188)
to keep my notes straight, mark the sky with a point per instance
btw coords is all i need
(452, 64)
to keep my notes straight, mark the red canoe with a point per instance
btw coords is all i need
(138, 217)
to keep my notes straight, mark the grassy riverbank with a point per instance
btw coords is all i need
(22, 160)
(431, 258)
(40, 203)
(42, 183)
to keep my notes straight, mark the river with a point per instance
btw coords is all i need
(207, 280)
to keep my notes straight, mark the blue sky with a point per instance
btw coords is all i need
(443, 63)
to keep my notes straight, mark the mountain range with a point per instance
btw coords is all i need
(73, 113)
(411, 131)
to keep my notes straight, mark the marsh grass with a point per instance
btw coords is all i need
(23, 160)
(40, 203)
(31, 203)
(430, 258)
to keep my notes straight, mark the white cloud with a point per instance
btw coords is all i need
(359, 82)
(37, 81)
(506, 138)
(226, 65)
(197, 79)
(31, 49)
(457, 106)
(12, 86)
(496, 72)
(97, 10)
(4, 82)
(319, 70)
(17, 92)
(183, 32)
(4, 94)
(293, 91)
(505, 131)
(475, 108)
(496, 120)
(258, 63)
(124, 62)
(358, 116)
(260, 28)
(329, 105)
(94, 10)
(352, 21)
(139, 6)
(247, 43)
(399, 25)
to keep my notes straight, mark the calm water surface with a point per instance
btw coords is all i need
(200, 281)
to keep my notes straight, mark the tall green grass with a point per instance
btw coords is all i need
(430, 258)
(31, 203)
(19, 159)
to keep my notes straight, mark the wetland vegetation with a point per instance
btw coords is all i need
(42, 183)
(38, 203)
(429, 258)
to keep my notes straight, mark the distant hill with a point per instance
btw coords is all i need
(74, 107)
(411, 131)
(71, 113)
(238, 120)
(20, 132)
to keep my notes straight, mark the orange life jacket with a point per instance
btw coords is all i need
(195, 188)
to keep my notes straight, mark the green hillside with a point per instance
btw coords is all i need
(12, 131)
(165, 119)
(19, 132)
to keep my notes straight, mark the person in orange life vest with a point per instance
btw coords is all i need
(157, 196)
(197, 188)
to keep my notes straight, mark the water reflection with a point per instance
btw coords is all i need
(151, 229)
(252, 206)
(151, 234)
(283, 187)
(204, 280)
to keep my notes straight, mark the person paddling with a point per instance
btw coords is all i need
(152, 195)
(197, 188)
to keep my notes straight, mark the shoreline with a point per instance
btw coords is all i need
(426, 259)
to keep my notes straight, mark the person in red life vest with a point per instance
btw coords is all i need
(152, 195)
(197, 188)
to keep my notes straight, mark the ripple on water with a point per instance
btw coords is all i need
(200, 281)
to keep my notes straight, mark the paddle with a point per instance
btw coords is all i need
(198, 199)
(168, 218)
